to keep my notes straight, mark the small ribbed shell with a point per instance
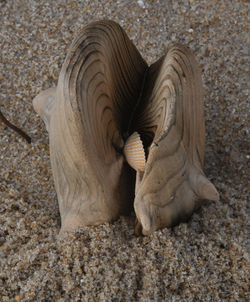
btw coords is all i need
(134, 152)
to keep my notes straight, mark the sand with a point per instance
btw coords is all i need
(204, 259)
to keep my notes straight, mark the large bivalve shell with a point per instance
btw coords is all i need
(106, 90)
(134, 152)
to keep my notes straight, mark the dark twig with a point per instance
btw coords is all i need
(19, 131)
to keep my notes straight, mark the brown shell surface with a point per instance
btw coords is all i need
(101, 95)
(98, 86)
(171, 123)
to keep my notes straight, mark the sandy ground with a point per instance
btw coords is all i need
(202, 260)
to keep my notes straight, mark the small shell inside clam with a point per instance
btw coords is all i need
(134, 152)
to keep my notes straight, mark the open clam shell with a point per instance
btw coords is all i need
(105, 90)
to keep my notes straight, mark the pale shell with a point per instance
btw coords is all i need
(134, 152)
